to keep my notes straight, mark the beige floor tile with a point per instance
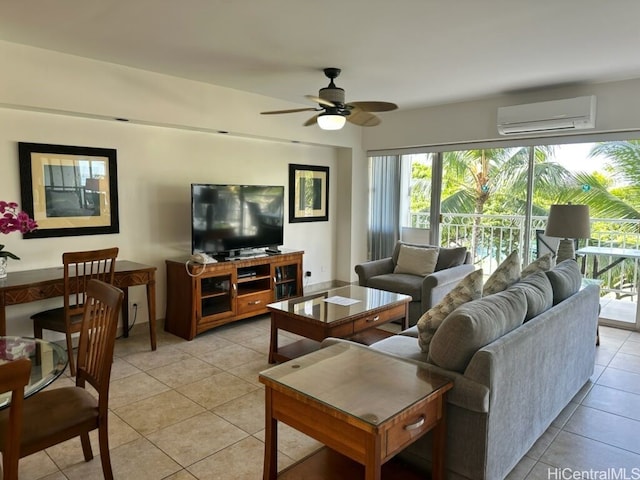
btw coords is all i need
(181, 475)
(122, 369)
(579, 453)
(231, 356)
(139, 460)
(614, 401)
(134, 388)
(203, 344)
(630, 347)
(241, 461)
(183, 372)
(36, 466)
(133, 344)
(605, 427)
(564, 415)
(69, 453)
(159, 411)
(216, 390)
(604, 354)
(543, 443)
(292, 443)
(620, 379)
(246, 412)
(196, 438)
(542, 471)
(522, 469)
(249, 371)
(155, 359)
(624, 361)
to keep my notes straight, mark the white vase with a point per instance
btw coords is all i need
(3, 267)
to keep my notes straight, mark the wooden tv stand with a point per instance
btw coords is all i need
(218, 293)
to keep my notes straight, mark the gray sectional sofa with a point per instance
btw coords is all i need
(512, 376)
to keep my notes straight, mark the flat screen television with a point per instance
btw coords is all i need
(226, 219)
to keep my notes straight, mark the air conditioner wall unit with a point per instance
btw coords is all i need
(567, 114)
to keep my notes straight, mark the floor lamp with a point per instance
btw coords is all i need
(568, 222)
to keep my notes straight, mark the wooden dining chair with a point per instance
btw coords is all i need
(79, 268)
(14, 375)
(59, 414)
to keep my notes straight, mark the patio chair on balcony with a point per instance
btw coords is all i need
(546, 244)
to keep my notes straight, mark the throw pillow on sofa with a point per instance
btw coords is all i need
(416, 260)
(538, 292)
(507, 273)
(565, 280)
(474, 325)
(542, 264)
(469, 288)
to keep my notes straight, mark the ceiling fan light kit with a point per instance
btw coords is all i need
(331, 121)
(335, 112)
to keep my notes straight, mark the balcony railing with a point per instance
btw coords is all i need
(492, 238)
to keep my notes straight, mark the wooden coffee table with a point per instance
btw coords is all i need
(363, 405)
(315, 318)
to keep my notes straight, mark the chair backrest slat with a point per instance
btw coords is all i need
(79, 269)
(98, 334)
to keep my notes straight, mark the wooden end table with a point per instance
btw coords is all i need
(362, 404)
(315, 318)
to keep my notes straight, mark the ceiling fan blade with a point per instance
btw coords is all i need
(375, 106)
(363, 119)
(321, 101)
(312, 121)
(292, 110)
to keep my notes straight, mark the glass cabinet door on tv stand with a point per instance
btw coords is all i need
(216, 296)
(287, 280)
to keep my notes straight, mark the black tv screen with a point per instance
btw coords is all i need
(227, 218)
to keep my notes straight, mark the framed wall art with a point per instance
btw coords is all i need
(308, 193)
(69, 190)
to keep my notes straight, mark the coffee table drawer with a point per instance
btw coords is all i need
(372, 320)
(254, 301)
(414, 422)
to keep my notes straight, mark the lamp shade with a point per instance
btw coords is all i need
(328, 121)
(568, 221)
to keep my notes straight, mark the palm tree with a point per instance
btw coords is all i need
(477, 180)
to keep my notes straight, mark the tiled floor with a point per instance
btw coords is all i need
(196, 410)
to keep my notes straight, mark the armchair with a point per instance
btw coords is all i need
(453, 265)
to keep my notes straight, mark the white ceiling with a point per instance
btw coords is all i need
(411, 52)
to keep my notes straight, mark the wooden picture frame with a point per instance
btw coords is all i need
(69, 190)
(308, 193)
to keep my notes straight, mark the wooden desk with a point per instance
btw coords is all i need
(31, 285)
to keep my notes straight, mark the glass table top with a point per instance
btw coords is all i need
(339, 303)
(48, 361)
(356, 380)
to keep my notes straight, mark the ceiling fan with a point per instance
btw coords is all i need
(335, 112)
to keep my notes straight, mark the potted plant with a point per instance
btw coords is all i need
(12, 220)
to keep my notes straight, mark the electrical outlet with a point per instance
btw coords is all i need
(307, 273)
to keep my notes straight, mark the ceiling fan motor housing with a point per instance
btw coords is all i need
(333, 94)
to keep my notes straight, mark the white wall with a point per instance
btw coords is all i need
(47, 97)
(618, 109)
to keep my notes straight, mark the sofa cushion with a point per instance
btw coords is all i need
(474, 325)
(507, 273)
(416, 260)
(399, 283)
(538, 292)
(469, 288)
(542, 264)
(401, 345)
(450, 257)
(565, 280)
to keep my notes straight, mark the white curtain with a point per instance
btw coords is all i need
(384, 205)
